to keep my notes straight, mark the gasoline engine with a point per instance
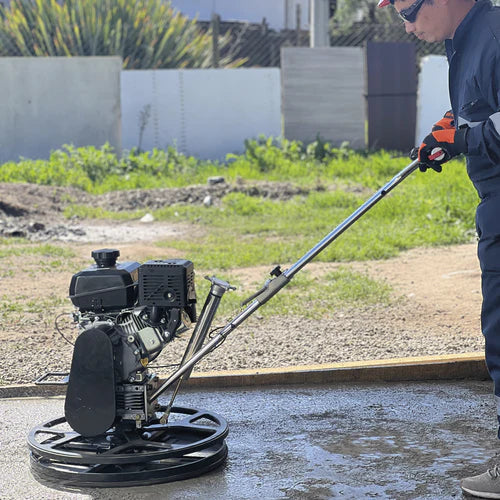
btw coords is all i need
(127, 313)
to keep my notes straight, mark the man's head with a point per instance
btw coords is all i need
(431, 20)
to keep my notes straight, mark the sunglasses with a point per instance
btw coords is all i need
(409, 15)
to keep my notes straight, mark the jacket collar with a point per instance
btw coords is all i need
(466, 27)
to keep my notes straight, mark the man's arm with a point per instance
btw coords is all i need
(483, 138)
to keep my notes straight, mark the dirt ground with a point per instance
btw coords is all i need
(438, 311)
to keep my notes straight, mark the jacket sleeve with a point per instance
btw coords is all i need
(483, 138)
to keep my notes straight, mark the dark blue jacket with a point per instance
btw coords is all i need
(474, 79)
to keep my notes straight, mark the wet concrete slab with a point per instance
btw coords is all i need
(385, 441)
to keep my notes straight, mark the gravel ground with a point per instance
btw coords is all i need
(350, 335)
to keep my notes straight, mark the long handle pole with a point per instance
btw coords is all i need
(273, 286)
(375, 198)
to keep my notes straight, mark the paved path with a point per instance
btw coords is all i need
(392, 441)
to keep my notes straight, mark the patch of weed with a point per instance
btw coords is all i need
(44, 250)
(12, 241)
(425, 211)
(314, 297)
(22, 304)
(90, 212)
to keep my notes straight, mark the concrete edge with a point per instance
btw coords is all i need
(443, 367)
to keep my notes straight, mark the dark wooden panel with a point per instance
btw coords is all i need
(391, 122)
(391, 95)
(391, 68)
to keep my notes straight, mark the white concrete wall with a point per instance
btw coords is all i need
(47, 102)
(206, 113)
(279, 14)
(323, 93)
(433, 97)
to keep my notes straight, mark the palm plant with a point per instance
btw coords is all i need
(145, 33)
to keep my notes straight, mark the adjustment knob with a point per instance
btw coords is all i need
(106, 257)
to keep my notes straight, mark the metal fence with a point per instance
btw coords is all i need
(360, 33)
(258, 45)
(249, 44)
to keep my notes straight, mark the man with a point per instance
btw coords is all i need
(471, 32)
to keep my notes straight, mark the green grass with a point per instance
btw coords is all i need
(89, 212)
(22, 304)
(426, 210)
(101, 170)
(19, 247)
(11, 241)
(307, 296)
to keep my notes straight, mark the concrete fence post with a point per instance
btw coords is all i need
(320, 18)
(215, 40)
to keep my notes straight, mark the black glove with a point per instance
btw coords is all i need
(441, 146)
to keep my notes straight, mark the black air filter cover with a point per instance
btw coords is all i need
(167, 283)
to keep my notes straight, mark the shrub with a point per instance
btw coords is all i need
(145, 33)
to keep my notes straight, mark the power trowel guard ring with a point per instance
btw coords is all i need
(191, 445)
(120, 447)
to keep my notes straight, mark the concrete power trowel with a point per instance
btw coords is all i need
(115, 431)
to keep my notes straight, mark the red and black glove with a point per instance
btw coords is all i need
(447, 122)
(441, 146)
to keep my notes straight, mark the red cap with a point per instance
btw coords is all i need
(383, 3)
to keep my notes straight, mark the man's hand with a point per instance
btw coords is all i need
(447, 122)
(441, 146)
